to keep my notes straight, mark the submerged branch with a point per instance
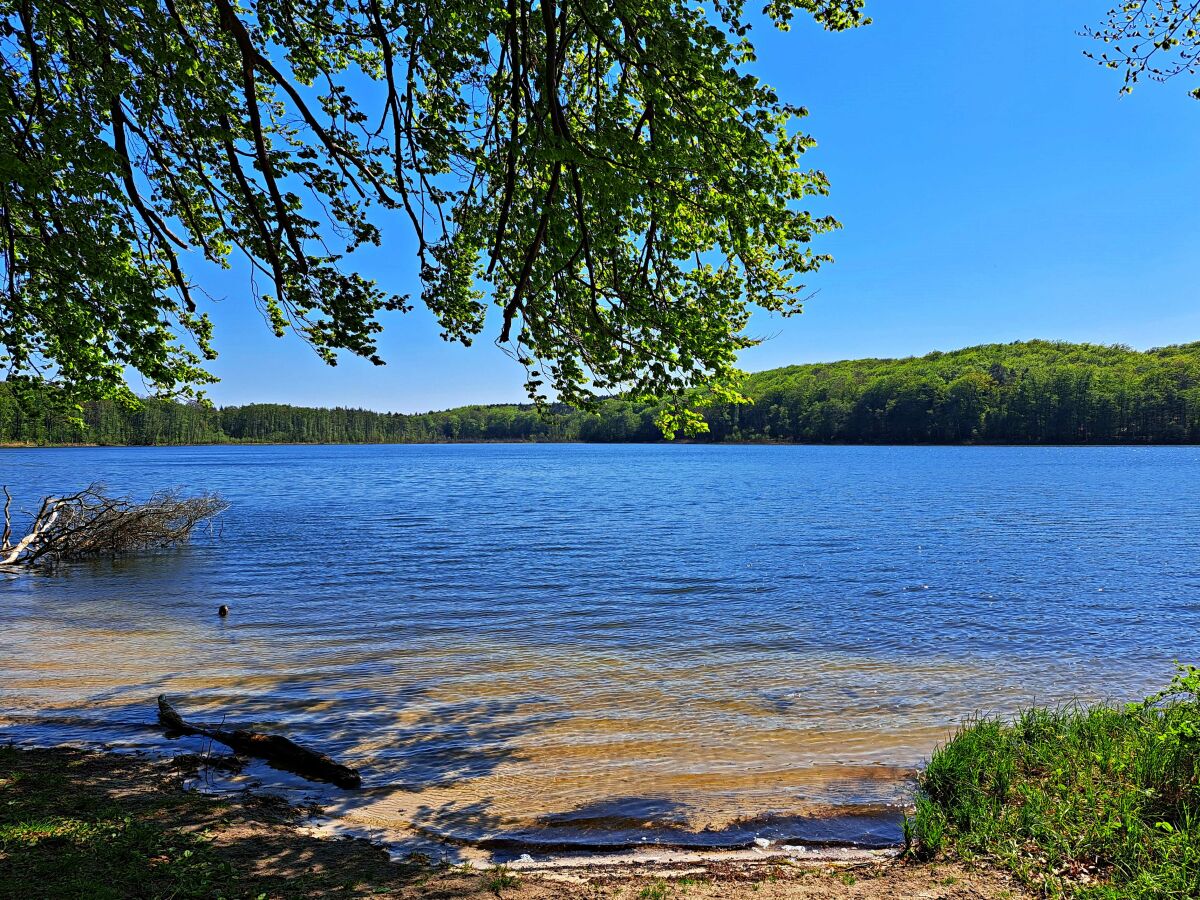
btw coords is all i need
(274, 748)
(92, 524)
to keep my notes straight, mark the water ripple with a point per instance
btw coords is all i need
(593, 645)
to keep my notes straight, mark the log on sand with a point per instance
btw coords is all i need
(274, 748)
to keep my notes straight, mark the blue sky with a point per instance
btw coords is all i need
(992, 183)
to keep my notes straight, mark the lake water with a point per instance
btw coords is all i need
(542, 646)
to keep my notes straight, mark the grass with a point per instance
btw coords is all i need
(656, 890)
(81, 845)
(1098, 802)
(500, 878)
(82, 825)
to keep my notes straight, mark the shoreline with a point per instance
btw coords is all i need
(16, 445)
(851, 831)
(60, 801)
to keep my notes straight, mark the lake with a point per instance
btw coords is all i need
(536, 646)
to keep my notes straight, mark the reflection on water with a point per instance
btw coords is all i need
(570, 645)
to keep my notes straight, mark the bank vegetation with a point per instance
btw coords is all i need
(1031, 392)
(1097, 802)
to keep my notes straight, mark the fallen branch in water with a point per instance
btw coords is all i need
(91, 524)
(274, 748)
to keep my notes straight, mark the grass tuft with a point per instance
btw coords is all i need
(656, 890)
(500, 879)
(1093, 802)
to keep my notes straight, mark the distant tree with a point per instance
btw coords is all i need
(1031, 392)
(1150, 39)
(605, 170)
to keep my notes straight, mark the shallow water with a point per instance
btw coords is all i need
(555, 645)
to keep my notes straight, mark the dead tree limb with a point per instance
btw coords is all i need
(4, 540)
(93, 524)
(274, 748)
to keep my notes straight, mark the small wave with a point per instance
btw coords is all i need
(618, 825)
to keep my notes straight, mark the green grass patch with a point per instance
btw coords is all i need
(1102, 801)
(71, 843)
(656, 890)
(85, 825)
(500, 879)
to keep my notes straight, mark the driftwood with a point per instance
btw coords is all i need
(274, 748)
(91, 524)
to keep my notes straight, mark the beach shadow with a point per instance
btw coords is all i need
(244, 845)
(405, 742)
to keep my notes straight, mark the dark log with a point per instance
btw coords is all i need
(274, 748)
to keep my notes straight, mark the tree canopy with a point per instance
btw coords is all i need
(604, 172)
(1150, 39)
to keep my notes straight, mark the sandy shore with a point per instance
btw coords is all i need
(254, 844)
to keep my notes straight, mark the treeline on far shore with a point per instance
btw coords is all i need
(1027, 392)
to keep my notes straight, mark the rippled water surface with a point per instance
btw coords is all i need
(562, 644)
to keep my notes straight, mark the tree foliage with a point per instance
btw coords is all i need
(604, 171)
(1151, 39)
(1027, 392)
(1030, 392)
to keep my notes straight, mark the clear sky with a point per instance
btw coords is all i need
(992, 183)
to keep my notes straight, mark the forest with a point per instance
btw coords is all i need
(1028, 392)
